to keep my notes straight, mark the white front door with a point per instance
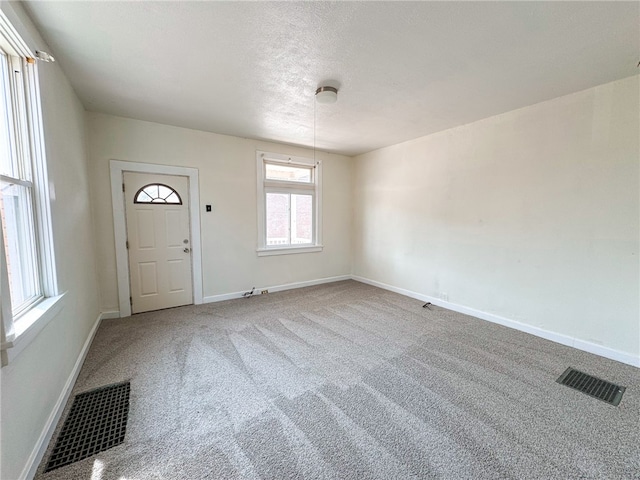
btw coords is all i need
(159, 241)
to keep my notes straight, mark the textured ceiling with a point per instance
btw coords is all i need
(403, 69)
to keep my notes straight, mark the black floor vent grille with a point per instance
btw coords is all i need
(97, 421)
(600, 389)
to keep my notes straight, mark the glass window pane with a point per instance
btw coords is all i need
(173, 198)
(152, 191)
(143, 198)
(163, 191)
(287, 173)
(20, 247)
(277, 219)
(7, 157)
(22, 153)
(301, 219)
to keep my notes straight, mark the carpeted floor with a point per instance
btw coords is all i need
(348, 381)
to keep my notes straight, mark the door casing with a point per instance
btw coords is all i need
(117, 168)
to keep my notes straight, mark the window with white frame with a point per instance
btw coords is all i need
(27, 253)
(289, 191)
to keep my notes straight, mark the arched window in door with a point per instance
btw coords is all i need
(157, 193)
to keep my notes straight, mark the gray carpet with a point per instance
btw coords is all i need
(345, 380)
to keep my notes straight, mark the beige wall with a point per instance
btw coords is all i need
(227, 170)
(531, 215)
(32, 383)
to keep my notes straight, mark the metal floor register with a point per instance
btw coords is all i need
(97, 421)
(600, 389)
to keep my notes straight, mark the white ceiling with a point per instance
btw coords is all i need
(403, 69)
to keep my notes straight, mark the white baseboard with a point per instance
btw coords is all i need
(276, 288)
(40, 448)
(223, 296)
(110, 314)
(606, 352)
(523, 327)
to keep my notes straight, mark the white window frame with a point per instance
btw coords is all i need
(21, 329)
(264, 186)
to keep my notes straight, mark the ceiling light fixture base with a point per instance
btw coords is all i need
(326, 95)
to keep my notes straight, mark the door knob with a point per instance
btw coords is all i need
(186, 250)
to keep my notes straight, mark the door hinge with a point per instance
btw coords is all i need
(131, 301)
(123, 187)
(127, 244)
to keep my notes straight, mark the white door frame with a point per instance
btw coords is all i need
(118, 167)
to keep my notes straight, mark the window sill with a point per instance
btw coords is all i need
(264, 252)
(29, 325)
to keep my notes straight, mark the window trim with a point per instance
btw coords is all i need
(22, 328)
(32, 322)
(263, 185)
